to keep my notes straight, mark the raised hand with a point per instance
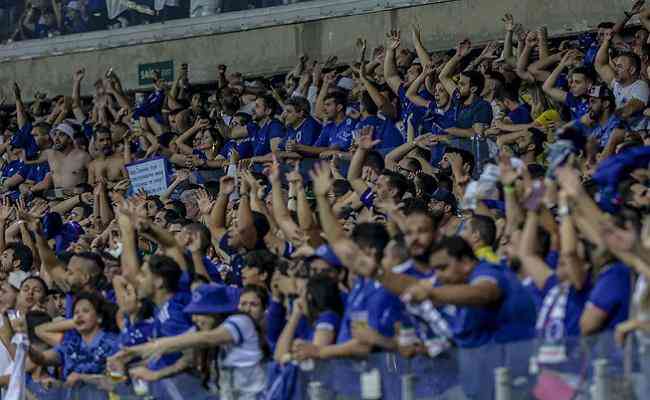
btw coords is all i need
(226, 185)
(394, 41)
(5, 209)
(79, 74)
(204, 202)
(365, 138)
(16, 90)
(295, 177)
(508, 174)
(416, 34)
(508, 22)
(427, 140)
(322, 179)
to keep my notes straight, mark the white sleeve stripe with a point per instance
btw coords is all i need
(483, 279)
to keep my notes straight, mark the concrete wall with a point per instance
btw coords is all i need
(273, 49)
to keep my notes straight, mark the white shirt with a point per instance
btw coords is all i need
(638, 90)
(246, 350)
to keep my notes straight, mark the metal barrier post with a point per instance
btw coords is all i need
(371, 385)
(408, 387)
(502, 390)
(599, 387)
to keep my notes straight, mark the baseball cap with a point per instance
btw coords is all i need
(446, 197)
(325, 253)
(65, 128)
(213, 299)
(74, 5)
(600, 92)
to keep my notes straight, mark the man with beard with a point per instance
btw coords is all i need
(630, 92)
(265, 132)
(68, 164)
(81, 273)
(444, 207)
(107, 165)
(525, 145)
(601, 122)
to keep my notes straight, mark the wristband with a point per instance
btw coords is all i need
(563, 211)
(509, 189)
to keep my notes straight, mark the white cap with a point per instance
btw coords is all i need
(346, 83)
(65, 128)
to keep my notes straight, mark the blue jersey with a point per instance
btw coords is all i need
(611, 293)
(133, 334)
(35, 172)
(578, 106)
(262, 135)
(306, 134)
(436, 120)
(371, 304)
(383, 130)
(86, 358)
(509, 319)
(337, 136)
(12, 168)
(576, 301)
(520, 115)
(171, 320)
(408, 108)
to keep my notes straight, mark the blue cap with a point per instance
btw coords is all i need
(213, 299)
(325, 253)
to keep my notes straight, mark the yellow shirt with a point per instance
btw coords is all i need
(486, 253)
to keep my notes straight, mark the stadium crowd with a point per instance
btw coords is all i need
(38, 19)
(425, 204)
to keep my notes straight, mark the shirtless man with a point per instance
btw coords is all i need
(107, 164)
(68, 165)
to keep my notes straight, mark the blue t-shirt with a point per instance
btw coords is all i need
(576, 301)
(243, 146)
(171, 320)
(327, 320)
(262, 136)
(600, 132)
(23, 139)
(480, 111)
(370, 303)
(133, 334)
(436, 120)
(236, 259)
(408, 108)
(86, 358)
(12, 168)
(384, 130)
(578, 106)
(520, 115)
(306, 134)
(337, 136)
(35, 172)
(509, 319)
(611, 293)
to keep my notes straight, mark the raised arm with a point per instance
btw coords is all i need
(524, 58)
(446, 75)
(413, 90)
(21, 116)
(549, 88)
(601, 63)
(217, 223)
(391, 75)
(569, 245)
(366, 143)
(531, 262)
(130, 262)
(76, 94)
(281, 213)
(322, 180)
(423, 54)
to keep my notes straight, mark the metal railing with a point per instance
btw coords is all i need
(594, 368)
